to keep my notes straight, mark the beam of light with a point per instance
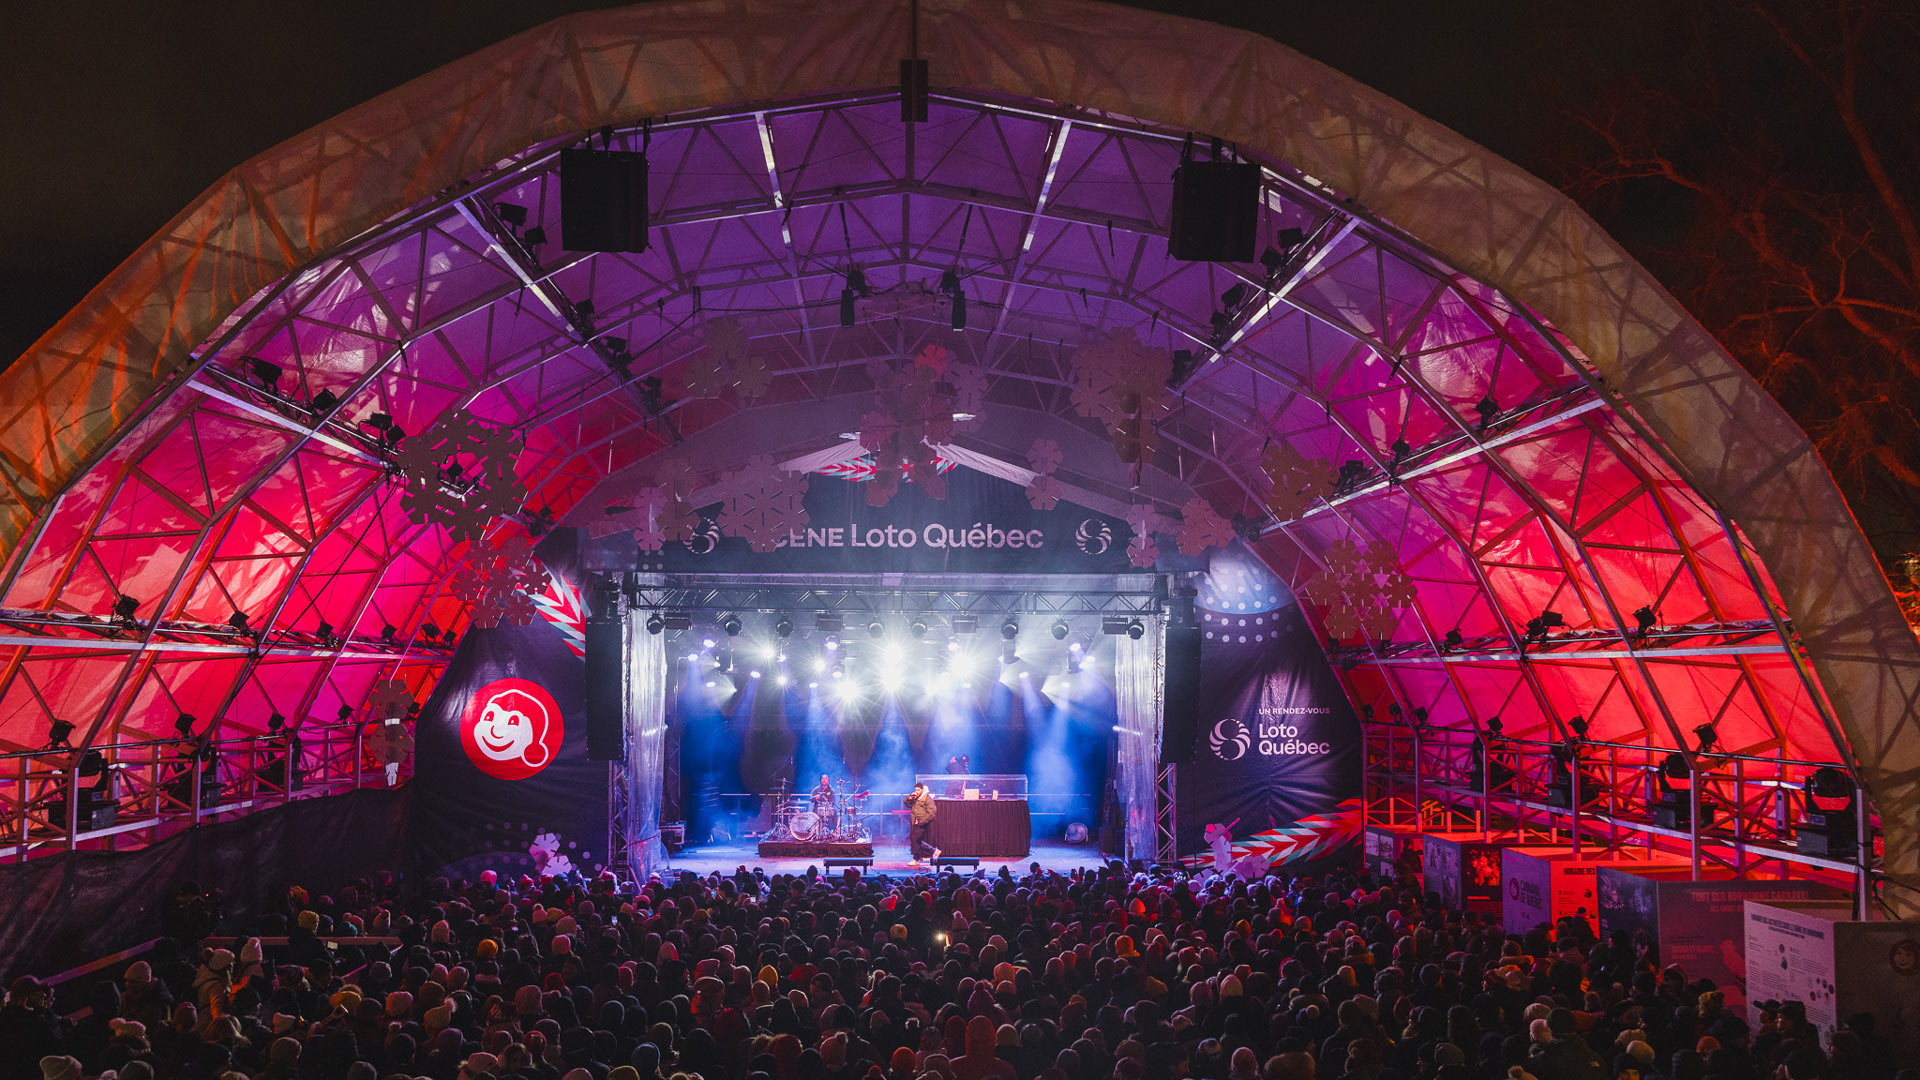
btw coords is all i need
(820, 665)
(890, 677)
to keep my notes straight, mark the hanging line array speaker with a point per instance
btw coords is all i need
(603, 200)
(1216, 211)
(606, 656)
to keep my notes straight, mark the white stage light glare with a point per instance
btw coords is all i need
(892, 656)
(753, 674)
(820, 666)
(832, 643)
(813, 686)
(847, 691)
(707, 643)
(710, 684)
(783, 680)
(890, 678)
(693, 658)
(953, 645)
(770, 651)
(779, 658)
(962, 665)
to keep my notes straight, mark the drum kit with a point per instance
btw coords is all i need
(820, 817)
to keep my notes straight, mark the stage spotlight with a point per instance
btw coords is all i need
(890, 678)
(962, 665)
(513, 214)
(892, 657)
(847, 691)
(876, 628)
(708, 642)
(693, 658)
(731, 624)
(655, 623)
(1060, 630)
(1643, 618)
(783, 627)
(832, 643)
(124, 607)
(1708, 736)
(753, 674)
(238, 621)
(783, 680)
(1077, 648)
(770, 651)
(323, 403)
(813, 686)
(324, 633)
(710, 684)
(1009, 630)
(1136, 629)
(268, 373)
(838, 671)
(819, 666)
(388, 634)
(1488, 409)
(1579, 727)
(966, 624)
(917, 628)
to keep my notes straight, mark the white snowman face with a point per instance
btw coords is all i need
(505, 732)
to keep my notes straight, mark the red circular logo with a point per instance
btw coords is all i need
(512, 729)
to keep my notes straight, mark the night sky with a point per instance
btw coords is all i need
(118, 113)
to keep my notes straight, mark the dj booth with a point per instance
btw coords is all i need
(980, 816)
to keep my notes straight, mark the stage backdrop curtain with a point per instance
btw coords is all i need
(646, 748)
(1139, 686)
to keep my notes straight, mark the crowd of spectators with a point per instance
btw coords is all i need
(1107, 974)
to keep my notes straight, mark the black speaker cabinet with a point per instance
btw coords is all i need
(603, 200)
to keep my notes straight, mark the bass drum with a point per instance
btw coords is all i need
(804, 825)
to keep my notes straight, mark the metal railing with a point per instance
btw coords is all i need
(1741, 813)
(124, 796)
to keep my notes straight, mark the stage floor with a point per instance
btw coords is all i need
(888, 858)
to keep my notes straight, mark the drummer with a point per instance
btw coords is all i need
(823, 800)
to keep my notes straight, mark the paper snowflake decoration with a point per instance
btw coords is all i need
(764, 504)
(726, 341)
(912, 412)
(1202, 528)
(969, 388)
(1297, 481)
(1361, 589)
(499, 583)
(390, 699)
(1044, 492)
(1142, 551)
(459, 474)
(1044, 456)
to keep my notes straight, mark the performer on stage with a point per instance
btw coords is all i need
(920, 808)
(823, 807)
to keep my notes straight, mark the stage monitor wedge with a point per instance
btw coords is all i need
(1181, 705)
(603, 200)
(1216, 211)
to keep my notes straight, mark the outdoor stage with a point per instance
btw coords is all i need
(888, 858)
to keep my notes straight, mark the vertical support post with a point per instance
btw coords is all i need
(1575, 795)
(1693, 818)
(1863, 854)
(73, 803)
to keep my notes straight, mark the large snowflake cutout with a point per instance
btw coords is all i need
(499, 583)
(390, 699)
(764, 504)
(1143, 551)
(1122, 383)
(1044, 492)
(1297, 480)
(459, 474)
(1361, 589)
(969, 389)
(912, 413)
(1201, 527)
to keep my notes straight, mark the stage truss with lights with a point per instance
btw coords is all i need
(1498, 399)
(910, 632)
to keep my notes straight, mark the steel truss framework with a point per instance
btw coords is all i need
(1058, 596)
(1508, 478)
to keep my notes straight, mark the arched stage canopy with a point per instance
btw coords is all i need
(1625, 461)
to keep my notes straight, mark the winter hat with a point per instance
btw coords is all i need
(309, 921)
(221, 960)
(59, 1067)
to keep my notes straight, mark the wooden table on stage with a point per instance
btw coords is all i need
(983, 828)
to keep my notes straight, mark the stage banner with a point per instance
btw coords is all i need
(502, 781)
(983, 525)
(1278, 753)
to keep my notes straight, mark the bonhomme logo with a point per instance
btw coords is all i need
(1094, 536)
